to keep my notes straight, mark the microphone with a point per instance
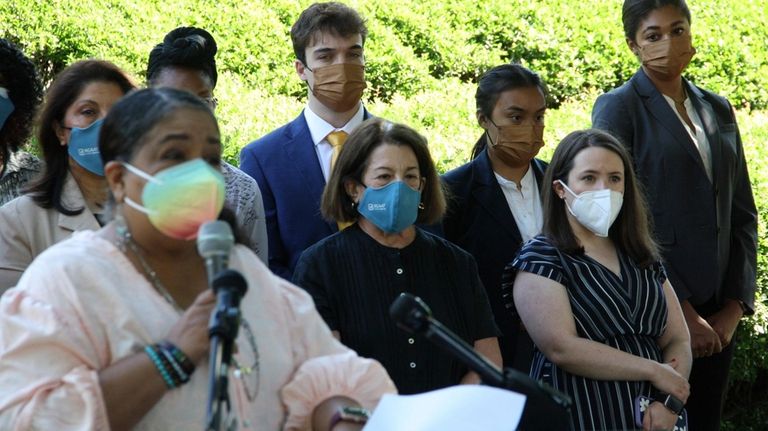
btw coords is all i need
(545, 407)
(214, 242)
(229, 287)
(411, 314)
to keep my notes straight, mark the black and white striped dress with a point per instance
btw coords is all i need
(626, 312)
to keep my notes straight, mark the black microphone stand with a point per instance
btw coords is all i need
(222, 330)
(545, 407)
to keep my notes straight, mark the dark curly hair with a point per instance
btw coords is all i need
(189, 47)
(19, 76)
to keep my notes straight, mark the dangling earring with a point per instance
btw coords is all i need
(421, 205)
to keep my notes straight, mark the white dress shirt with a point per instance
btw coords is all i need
(320, 128)
(524, 202)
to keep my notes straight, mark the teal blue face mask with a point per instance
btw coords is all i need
(391, 208)
(83, 146)
(6, 106)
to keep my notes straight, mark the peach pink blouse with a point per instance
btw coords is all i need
(82, 306)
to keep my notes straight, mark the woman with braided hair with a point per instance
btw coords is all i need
(186, 60)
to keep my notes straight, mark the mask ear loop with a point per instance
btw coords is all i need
(568, 189)
(139, 173)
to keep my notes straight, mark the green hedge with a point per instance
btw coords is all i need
(423, 58)
(414, 44)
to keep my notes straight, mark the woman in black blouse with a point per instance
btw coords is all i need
(384, 181)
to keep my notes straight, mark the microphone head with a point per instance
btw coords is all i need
(410, 313)
(231, 281)
(215, 239)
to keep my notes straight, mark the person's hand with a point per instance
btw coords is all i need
(347, 426)
(725, 321)
(658, 417)
(667, 379)
(704, 340)
(190, 333)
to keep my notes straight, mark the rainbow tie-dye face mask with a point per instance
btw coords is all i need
(180, 199)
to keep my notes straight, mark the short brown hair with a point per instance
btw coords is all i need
(353, 161)
(631, 232)
(332, 17)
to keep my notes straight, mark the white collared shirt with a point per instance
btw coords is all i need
(524, 202)
(320, 128)
(698, 135)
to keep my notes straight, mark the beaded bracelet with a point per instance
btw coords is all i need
(179, 355)
(164, 373)
(182, 376)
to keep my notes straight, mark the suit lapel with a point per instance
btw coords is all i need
(488, 193)
(709, 121)
(72, 198)
(300, 150)
(539, 169)
(659, 108)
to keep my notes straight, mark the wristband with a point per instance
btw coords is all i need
(669, 401)
(152, 353)
(357, 415)
(179, 355)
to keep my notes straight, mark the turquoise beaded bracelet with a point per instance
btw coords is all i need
(152, 353)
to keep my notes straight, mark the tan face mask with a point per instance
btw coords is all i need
(668, 57)
(517, 144)
(339, 86)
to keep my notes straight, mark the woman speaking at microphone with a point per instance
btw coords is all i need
(384, 181)
(109, 329)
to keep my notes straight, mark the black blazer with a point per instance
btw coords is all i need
(708, 230)
(479, 221)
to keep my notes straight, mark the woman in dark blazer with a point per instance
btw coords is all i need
(688, 154)
(503, 174)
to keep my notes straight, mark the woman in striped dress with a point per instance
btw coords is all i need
(595, 299)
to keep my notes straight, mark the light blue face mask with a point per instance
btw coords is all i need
(6, 106)
(391, 208)
(83, 146)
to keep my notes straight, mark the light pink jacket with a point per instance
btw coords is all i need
(81, 306)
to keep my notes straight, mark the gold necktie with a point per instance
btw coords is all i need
(337, 139)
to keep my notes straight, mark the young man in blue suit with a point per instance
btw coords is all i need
(293, 163)
(494, 204)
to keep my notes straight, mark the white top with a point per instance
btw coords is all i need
(320, 128)
(524, 202)
(698, 135)
(82, 306)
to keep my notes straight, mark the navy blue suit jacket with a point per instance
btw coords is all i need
(479, 221)
(708, 230)
(284, 163)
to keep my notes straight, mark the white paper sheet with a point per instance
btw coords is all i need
(459, 408)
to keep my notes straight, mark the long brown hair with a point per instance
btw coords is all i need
(631, 232)
(46, 191)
